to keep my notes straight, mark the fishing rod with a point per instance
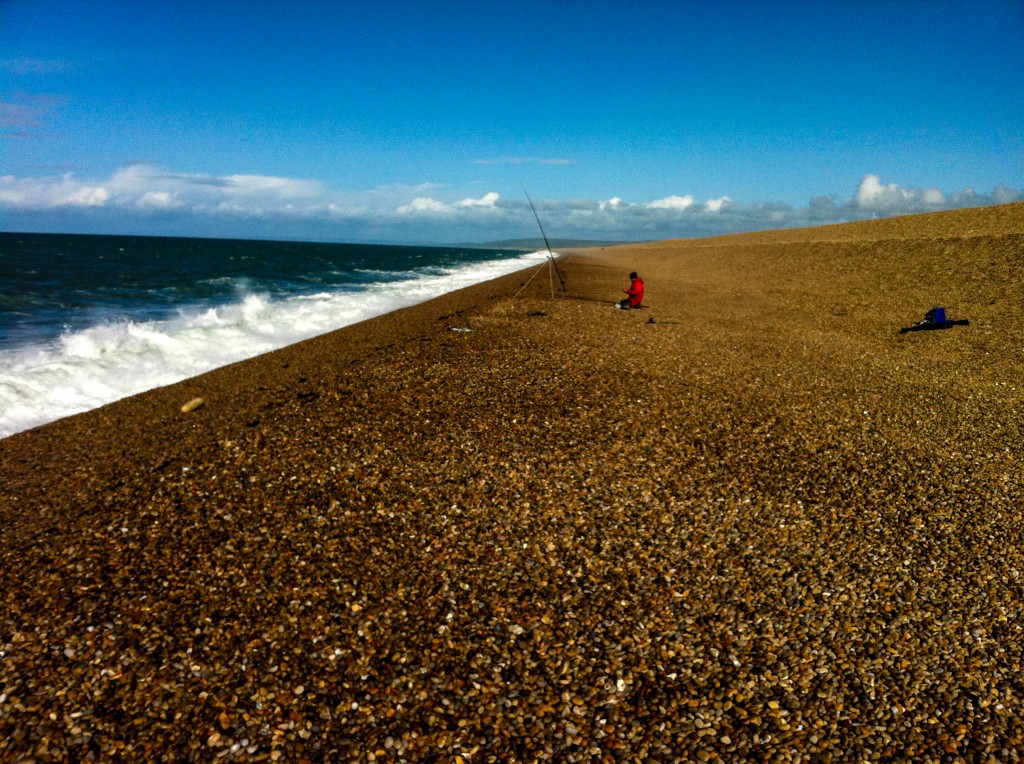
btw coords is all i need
(551, 254)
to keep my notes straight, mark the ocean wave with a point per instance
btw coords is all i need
(115, 358)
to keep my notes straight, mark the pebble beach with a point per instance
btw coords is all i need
(751, 521)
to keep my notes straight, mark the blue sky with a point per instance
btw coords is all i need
(424, 121)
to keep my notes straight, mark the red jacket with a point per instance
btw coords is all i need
(636, 292)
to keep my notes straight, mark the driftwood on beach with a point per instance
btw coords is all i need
(764, 525)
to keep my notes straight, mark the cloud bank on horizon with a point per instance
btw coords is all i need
(143, 197)
(652, 120)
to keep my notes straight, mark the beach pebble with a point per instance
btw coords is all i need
(572, 540)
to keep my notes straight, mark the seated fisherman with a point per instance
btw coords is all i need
(635, 292)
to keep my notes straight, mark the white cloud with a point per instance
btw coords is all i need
(427, 205)
(422, 204)
(892, 198)
(146, 187)
(156, 200)
(671, 203)
(716, 205)
(264, 186)
(487, 200)
(871, 193)
(89, 196)
(262, 205)
(48, 193)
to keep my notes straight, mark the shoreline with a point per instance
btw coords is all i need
(107, 357)
(751, 520)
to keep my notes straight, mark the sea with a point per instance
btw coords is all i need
(87, 320)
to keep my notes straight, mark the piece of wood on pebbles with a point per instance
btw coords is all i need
(192, 405)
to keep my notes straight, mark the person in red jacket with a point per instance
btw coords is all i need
(635, 292)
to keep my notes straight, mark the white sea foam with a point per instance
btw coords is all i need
(104, 363)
